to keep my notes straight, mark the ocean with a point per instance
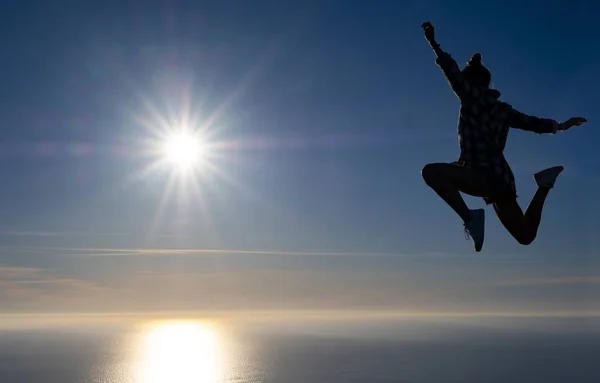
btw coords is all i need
(195, 351)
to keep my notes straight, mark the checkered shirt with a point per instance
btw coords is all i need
(484, 122)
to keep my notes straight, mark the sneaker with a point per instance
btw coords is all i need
(475, 228)
(547, 177)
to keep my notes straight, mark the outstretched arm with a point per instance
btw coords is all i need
(523, 121)
(452, 72)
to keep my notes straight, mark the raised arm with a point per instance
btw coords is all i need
(452, 72)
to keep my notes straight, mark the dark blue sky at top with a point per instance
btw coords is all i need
(330, 109)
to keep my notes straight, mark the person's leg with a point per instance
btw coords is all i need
(511, 216)
(524, 227)
(534, 210)
(448, 180)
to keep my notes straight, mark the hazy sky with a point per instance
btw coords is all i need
(323, 114)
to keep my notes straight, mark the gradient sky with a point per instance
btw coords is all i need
(324, 113)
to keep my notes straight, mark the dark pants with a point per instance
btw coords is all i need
(448, 180)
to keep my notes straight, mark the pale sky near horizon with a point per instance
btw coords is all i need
(322, 114)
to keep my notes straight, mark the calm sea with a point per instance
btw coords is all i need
(177, 352)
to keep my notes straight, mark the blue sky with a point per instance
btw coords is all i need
(325, 112)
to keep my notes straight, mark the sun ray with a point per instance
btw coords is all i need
(182, 144)
(197, 192)
(160, 208)
(154, 121)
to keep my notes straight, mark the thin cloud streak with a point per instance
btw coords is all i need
(121, 252)
(25, 233)
(565, 280)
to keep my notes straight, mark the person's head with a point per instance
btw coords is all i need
(476, 73)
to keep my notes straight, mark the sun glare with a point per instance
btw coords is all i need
(183, 150)
(180, 352)
(186, 153)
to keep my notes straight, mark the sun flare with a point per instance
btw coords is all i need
(184, 150)
(188, 155)
(180, 352)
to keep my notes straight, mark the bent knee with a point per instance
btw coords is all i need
(430, 173)
(526, 239)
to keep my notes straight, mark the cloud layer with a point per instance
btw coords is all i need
(130, 280)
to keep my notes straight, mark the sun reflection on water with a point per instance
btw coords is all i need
(179, 352)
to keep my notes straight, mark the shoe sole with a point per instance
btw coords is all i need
(536, 175)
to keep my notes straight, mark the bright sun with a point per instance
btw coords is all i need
(184, 150)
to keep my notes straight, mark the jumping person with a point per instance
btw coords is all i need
(481, 169)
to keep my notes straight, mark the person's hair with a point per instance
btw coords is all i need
(476, 73)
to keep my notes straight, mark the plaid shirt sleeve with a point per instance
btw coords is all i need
(523, 121)
(454, 76)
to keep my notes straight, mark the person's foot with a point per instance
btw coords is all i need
(547, 177)
(475, 228)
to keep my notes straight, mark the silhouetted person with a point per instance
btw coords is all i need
(481, 169)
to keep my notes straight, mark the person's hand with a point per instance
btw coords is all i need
(571, 122)
(429, 32)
